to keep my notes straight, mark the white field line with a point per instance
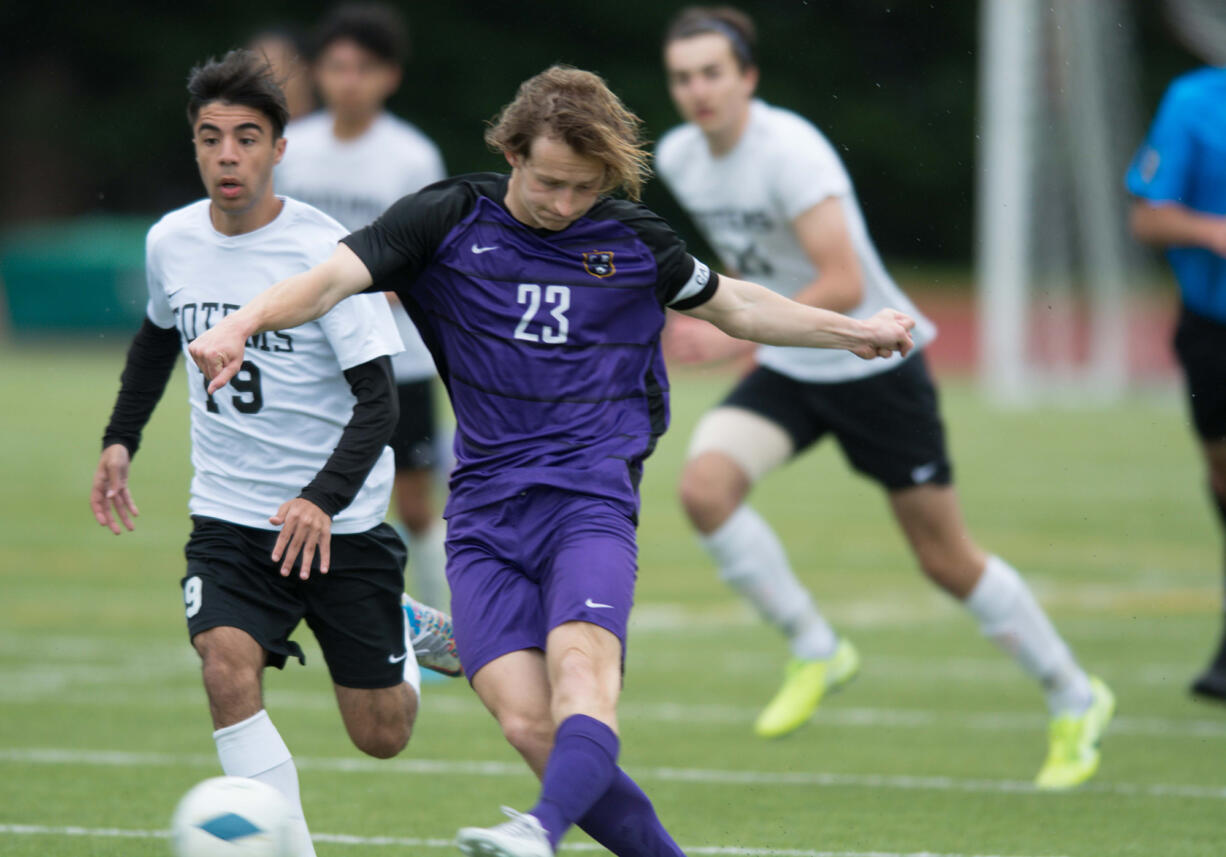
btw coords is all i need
(699, 776)
(413, 842)
(33, 681)
(689, 714)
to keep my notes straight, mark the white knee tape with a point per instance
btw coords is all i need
(755, 443)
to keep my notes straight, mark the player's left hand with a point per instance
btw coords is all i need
(305, 528)
(885, 332)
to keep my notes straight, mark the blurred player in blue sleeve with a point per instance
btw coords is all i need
(1179, 180)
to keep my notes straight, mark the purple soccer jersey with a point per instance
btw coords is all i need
(548, 342)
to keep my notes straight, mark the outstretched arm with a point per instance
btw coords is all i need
(293, 301)
(749, 311)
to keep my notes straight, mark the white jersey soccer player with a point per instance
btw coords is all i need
(357, 180)
(292, 467)
(745, 202)
(257, 433)
(773, 198)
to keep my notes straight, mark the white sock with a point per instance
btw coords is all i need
(428, 566)
(253, 748)
(751, 559)
(1009, 614)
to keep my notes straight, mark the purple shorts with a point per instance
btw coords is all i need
(520, 567)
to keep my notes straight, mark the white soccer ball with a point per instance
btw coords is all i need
(233, 817)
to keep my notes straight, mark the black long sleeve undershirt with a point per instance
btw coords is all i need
(146, 372)
(375, 415)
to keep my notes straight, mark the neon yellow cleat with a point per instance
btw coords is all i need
(804, 685)
(1072, 756)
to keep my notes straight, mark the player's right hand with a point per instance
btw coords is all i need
(110, 490)
(219, 352)
(305, 528)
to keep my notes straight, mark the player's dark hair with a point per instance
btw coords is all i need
(375, 27)
(726, 21)
(578, 108)
(242, 78)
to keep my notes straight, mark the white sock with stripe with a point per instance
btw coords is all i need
(253, 748)
(752, 560)
(1009, 614)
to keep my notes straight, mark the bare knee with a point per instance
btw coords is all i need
(530, 733)
(379, 722)
(712, 486)
(384, 741)
(414, 500)
(231, 663)
(956, 572)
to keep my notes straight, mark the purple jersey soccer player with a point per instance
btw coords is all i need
(542, 301)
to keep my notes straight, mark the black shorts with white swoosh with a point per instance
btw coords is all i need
(353, 610)
(888, 424)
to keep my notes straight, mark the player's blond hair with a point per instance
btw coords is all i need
(578, 108)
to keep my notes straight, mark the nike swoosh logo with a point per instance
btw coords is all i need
(395, 659)
(924, 472)
(596, 605)
(173, 292)
(480, 250)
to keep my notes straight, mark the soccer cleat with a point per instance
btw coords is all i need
(1073, 754)
(804, 685)
(433, 641)
(1211, 684)
(522, 836)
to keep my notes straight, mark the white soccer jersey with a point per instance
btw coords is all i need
(745, 202)
(261, 439)
(357, 180)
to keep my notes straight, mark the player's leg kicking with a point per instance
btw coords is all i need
(542, 597)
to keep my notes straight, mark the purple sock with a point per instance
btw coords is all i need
(625, 822)
(581, 767)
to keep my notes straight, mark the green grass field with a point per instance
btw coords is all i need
(103, 722)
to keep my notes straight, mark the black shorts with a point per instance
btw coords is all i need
(353, 610)
(888, 424)
(413, 440)
(1200, 345)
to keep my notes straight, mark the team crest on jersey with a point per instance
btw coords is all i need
(599, 263)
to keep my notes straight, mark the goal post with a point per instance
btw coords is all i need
(1052, 263)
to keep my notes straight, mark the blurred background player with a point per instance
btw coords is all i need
(352, 160)
(562, 344)
(772, 197)
(1179, 177)
(285, 50)
(253, 446)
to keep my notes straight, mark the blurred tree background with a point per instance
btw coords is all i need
(93, 95)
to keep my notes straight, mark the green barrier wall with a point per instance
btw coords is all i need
(75, 276)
